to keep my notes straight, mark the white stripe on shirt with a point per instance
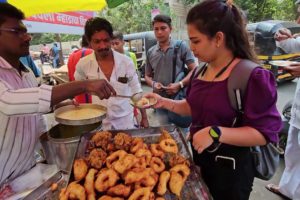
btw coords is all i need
(21, 105)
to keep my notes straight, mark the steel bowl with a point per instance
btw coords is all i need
(75, 122)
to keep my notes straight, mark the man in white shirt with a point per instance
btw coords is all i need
(289, 184)
(22, 102)
(116, 68)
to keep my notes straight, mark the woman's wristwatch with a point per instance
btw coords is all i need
(215, 133)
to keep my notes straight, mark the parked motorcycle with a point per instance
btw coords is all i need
(286, 116)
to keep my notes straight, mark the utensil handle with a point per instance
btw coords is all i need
(122, 96)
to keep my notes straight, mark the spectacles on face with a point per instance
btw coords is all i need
(20, 32)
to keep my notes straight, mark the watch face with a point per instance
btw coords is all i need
(213, 133)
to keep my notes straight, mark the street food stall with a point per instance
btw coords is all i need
(152, 162)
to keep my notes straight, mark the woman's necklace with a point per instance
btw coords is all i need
(220, 72)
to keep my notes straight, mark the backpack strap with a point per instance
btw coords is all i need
(176, 49)
(237, 85)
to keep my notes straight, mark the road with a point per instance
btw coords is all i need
(285, 93)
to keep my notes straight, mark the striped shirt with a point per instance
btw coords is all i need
(22, 103)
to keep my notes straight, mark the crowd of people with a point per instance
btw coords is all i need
(197, 95)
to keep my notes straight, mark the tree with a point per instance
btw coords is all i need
(134, 15)
(259, 10)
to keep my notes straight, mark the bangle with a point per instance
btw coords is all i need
(153, 84)
(181, 84)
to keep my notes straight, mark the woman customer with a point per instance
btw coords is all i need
(218, 37)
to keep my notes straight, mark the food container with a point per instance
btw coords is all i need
(194, 188)
(80, 115)
(62, 143)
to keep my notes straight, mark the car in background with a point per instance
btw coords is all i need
(262, 38)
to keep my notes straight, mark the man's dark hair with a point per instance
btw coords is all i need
(84, 41)
(162, 18)
(97, 24)
(118, 35)
(7, 10)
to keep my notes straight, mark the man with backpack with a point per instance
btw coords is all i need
(168, 66)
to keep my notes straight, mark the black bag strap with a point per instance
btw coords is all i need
(176, 49)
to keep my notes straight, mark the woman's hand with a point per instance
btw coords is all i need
(160, 100)
(202, 140)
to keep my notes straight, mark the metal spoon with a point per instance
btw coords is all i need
(134, 98)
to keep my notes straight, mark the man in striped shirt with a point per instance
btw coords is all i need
(22, 102)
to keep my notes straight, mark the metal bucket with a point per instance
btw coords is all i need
(62, 143)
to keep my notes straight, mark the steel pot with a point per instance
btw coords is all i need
(61, 141)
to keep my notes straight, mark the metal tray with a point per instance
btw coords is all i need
(194, 188)
(81, 121)
(44, 192)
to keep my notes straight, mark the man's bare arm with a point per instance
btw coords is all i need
(68, 90)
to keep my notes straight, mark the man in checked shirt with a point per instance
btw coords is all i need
(22, 102)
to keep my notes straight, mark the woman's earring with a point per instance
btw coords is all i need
(218, 45)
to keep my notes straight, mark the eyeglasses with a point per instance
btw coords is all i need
(19, 32)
